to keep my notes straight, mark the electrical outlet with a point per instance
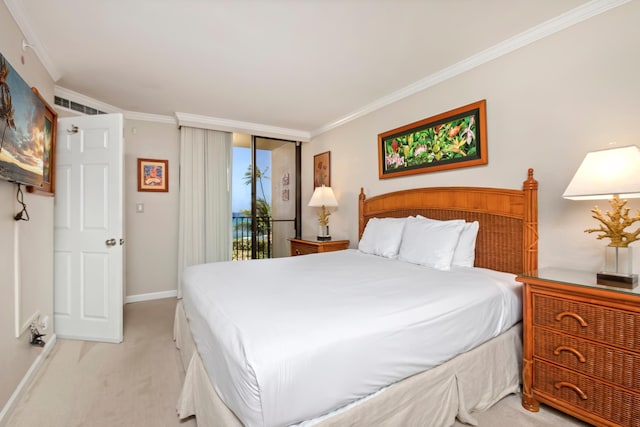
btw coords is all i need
(44, 323)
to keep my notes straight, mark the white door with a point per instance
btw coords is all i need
(88, 236)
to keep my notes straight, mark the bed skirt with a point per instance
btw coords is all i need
(472, 381)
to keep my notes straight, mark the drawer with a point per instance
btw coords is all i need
(608, 325)
(606, 363)
(302, 249)
(611, 403)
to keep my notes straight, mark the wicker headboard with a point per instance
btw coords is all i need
(508, 235)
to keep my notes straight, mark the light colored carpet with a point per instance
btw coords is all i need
(89, 384)
(509, 413)
(137, 383)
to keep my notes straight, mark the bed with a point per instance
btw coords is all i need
(308, 357)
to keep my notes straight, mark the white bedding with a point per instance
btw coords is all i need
(290, 339)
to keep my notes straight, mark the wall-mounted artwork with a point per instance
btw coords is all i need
(454, 139)
(153, 175)
(322, 170)
(285, 187)
(27, 132)
(49, 149)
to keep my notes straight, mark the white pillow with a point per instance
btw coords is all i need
(465, 252)
(382, 236)
(430, 243)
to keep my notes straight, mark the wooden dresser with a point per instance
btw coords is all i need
(313, 246)
(581, 347)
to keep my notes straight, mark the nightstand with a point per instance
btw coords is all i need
(581, 347)
(310, 245)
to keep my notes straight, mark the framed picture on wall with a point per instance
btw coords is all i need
(454, 139)
(322, 170)
(48, 149)
(153, 175)
(27, 133)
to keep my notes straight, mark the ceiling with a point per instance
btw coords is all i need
(303, 65)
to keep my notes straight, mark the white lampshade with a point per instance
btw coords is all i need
(323, 196)
(604, 173)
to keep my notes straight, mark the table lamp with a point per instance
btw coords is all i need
(322, 198)
(610, 174)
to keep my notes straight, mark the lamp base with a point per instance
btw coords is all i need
(628, 281)
(323, 233)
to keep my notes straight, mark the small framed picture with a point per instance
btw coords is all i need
(153, 175)
(322, 170)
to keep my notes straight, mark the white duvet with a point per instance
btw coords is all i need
(289, 339)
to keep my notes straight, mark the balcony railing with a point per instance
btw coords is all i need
(242, 242)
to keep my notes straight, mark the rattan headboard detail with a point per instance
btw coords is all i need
(508, 234)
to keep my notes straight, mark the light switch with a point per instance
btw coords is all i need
(139, 207)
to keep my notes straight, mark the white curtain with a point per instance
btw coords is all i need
(205, 198)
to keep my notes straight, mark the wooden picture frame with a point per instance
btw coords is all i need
(322, 169)
(454, 139)
(49, 158)
(153, 175)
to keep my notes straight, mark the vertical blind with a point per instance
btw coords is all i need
(205, 198)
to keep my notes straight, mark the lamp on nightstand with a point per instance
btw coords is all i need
(610, 174)
(322, 198)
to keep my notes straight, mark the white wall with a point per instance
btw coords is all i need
(151, 237)
(547, 105)
(35, 238)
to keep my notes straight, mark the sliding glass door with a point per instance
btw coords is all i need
(264, 202)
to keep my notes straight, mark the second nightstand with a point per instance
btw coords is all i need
(581, 347)
(307, 245)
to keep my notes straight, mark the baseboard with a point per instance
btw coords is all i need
(151, 296)
(26, 381)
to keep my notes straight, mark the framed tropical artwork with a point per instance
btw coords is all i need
(49, 149)
(27, 133)
(454, 139)
(153, 175)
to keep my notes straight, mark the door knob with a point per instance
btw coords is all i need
(110, 242)
(121, 242)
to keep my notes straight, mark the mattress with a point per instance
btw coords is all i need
(294, 338)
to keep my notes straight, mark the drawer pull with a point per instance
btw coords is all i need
(573, 387)
(576, 316)
(298, 252)
(561, 348)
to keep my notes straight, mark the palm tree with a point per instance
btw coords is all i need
(259, 175)
(263, 208)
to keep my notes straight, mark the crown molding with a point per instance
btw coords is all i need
(17, 12)
(85, 100)
(256, 129)
(545, 29)
(107, 108)
(146, 117)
